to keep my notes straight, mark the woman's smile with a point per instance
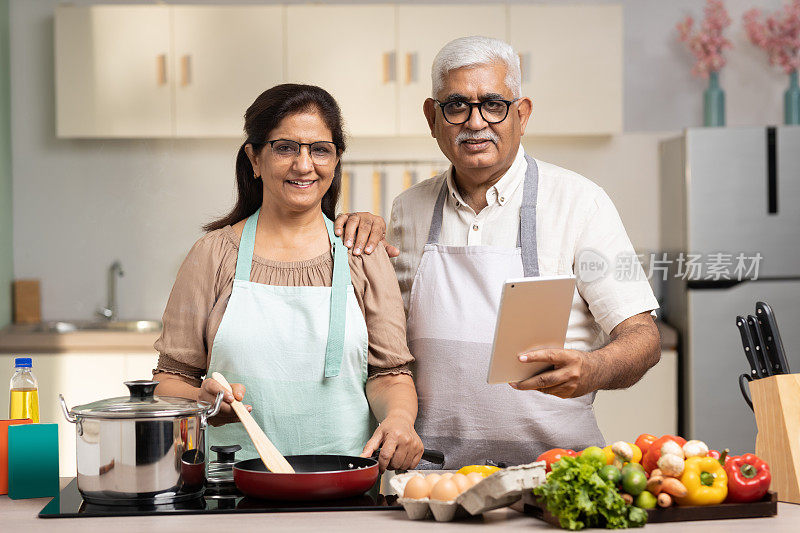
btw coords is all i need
(301, 183)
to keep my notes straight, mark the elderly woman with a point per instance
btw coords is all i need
(310, 336)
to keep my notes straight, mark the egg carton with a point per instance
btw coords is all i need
(500, 489)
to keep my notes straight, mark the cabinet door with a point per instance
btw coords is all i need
(571, 66)
(224, 58)
(350, 52)
(113, 77)
(421, 33)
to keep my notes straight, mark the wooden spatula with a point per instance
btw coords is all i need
(273, 460)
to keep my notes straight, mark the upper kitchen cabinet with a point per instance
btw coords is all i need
(571, 58)
(163, 71)
(421, 32)
(349, 50)
(224, 58)
(112, 71)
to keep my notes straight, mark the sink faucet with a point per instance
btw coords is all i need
(110, 312)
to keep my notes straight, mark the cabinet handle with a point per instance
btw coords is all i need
(411, 68)
(186, 70)
(345, 191)
(389, 60)
(524, 67)
(377, 191)
(161, 66)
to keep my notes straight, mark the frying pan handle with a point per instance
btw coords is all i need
(433, 456)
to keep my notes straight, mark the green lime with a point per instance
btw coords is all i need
(593, 454)
(611, 474)
(645, 500)
(634, 482)
(632, 466)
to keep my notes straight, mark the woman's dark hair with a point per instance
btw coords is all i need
(263, 116)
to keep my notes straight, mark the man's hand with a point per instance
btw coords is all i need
(363, 231)
(401, 447)
(570, 377)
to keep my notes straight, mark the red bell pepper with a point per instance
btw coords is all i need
(650, 460)
(555, 455)
(748, 478)
(644, 441)
(724, 455)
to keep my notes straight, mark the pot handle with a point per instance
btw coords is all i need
(212, 409)
(70, 417)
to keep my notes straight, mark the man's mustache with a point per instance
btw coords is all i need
(471, 135)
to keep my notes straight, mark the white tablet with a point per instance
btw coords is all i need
(534, 313)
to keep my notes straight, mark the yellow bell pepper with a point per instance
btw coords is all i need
(485, 470)
(637, 454)
(705, 480)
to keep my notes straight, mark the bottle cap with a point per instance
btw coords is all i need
(24, 362)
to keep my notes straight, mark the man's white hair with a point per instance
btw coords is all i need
(473, 51)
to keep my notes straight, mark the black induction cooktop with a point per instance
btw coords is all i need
(70, 504)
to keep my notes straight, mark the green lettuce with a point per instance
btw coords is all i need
(580, 498)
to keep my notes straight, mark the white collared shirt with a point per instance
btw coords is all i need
(574, 216)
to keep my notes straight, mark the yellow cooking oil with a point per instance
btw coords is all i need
(24, 404)
(24, 391)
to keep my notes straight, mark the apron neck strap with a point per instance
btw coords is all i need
(526, 237)
(334, 349)
(244, 259)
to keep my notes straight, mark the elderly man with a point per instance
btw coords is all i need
(498, 213)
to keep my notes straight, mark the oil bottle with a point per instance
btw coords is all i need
(24, 391)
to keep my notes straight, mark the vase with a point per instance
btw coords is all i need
(713, 102)
(791, 101)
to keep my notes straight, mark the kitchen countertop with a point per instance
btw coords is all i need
(13, 340)
(20, 515)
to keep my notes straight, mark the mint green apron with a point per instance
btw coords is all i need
(301, 353)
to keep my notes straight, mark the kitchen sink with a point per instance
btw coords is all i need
(68, 326)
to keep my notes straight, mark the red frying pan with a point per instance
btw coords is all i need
(316, 477)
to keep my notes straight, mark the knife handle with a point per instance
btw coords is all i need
(758, 341)
(772, 336)
(749, 348)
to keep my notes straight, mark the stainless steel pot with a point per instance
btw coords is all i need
(133, 450)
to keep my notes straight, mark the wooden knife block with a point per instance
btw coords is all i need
(776, 403)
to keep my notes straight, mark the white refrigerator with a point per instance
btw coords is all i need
(730, 228)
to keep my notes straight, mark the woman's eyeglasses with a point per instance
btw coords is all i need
(321, 152)
(492, 111)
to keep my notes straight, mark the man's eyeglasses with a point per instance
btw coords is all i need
(492, 111)
(321, 152)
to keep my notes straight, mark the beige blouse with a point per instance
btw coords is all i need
(205, 281)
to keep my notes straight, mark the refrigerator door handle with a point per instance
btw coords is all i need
(772, 170)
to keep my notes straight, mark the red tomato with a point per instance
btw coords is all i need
(644, 441)
(650, 460)
(555, 455)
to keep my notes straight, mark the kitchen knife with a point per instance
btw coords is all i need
(772, 337)
(760, 355)
(749, 347)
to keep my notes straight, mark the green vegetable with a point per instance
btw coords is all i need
(632, 466)
(645, 500)
(634, 482)
(594, 455)
(637, 517)
(611, 474)
(578, 495)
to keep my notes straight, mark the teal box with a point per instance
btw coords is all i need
(32, 461)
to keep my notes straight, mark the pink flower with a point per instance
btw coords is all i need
(778, 35)
(707, 43)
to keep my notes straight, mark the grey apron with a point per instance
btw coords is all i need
(451, 319)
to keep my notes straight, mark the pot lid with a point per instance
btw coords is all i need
(141, 403)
